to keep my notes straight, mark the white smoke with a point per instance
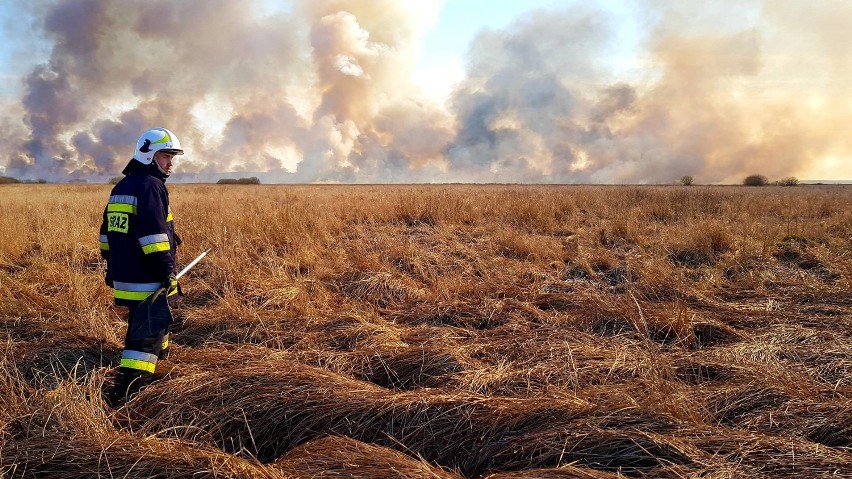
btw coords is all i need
(324, 91)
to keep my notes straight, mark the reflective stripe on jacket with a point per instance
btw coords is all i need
(137, 235)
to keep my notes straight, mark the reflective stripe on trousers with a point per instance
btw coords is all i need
(139, 360)
(142, 354)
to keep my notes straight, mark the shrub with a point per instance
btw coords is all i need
(789, 181)
(8, 180)
(686, 180)
(241, 181)
(755, 180)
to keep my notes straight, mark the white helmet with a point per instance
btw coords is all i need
(154, 140)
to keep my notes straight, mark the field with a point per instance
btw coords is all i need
(443, 332)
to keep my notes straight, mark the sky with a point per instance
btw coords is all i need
(408, 91)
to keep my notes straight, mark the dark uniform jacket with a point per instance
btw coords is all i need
(137, 236)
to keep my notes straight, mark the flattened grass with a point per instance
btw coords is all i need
(443, 331)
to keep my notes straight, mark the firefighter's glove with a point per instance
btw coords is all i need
(171, 284)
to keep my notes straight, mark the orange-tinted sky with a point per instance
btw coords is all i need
(642, 91)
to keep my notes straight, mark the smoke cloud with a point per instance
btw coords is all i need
(323, 91)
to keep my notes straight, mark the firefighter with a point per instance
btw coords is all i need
(139, 243)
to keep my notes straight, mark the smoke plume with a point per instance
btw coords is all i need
(323, 91)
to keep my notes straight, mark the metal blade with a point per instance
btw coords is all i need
(193, 263)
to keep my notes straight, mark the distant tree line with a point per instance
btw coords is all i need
(760, 180)
(8, 180)
(686, 180)
(241, 181)
(750, 180)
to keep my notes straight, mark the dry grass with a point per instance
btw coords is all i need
(443, 332)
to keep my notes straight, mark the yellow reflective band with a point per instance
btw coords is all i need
(165, 139)
(131, 295)
(154, 247)
(104, 246)
(165, 344)
(137, 364)
(119, 222)
(169, 217)
(121, 207)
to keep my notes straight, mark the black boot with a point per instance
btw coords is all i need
(164, 349)
(127, 383)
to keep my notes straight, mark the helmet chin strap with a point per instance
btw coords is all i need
(161, 170)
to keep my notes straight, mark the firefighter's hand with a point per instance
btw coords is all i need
(170, 283)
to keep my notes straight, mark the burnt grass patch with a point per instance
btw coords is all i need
(467, 316)
(611, 326)
(735, 406)
(714, 334)
(49, 367)
(696, 371)
(410, 368)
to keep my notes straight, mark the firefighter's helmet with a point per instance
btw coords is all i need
(154, 140)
